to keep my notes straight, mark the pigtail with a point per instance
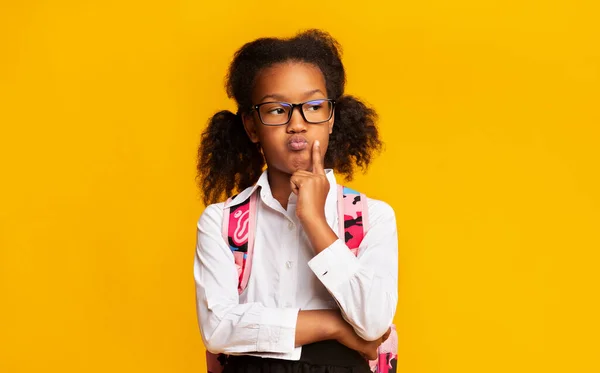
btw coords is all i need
(227, 160)
(355, 138)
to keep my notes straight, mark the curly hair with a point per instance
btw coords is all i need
(229, 162)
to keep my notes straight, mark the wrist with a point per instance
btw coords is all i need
(313, 221)
(319, 233)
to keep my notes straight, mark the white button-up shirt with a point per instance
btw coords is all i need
(287, 276)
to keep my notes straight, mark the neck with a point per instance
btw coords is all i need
(280, 186)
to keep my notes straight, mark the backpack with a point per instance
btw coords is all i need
(239, 225)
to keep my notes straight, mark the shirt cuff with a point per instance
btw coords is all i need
(334, 265)
(277, 331)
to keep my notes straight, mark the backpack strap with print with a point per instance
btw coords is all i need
(239, 226)
(352, 216)
(354, 222)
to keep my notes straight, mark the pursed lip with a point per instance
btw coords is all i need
(297, 143)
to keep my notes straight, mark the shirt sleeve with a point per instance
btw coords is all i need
(226, 325)
(364, 286)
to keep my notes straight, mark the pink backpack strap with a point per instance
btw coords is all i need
(239, 226)
(352, 216)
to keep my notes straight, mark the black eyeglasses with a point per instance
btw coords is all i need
(280, 113)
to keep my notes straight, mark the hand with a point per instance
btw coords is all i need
(377, 342)
(311, 189)
(320, 325)
(348, 337)
(369, 351)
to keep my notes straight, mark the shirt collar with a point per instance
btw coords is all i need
(243, 195)
(263, 185)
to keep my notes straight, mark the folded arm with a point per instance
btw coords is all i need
(365, 287)
(233, 328)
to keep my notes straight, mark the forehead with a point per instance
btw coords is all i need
(289, 81)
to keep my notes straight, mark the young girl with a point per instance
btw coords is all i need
(310, 304)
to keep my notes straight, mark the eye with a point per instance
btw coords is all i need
(276, 111)
(314, 105)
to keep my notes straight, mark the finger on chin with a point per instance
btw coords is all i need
(316, 159)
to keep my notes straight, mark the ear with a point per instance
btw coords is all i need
(250, 127)
(331, 121)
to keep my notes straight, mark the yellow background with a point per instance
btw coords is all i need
(490, 112)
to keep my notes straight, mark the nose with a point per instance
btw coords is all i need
(297, 123)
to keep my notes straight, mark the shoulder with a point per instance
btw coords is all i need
(380, 211)
(212, 216)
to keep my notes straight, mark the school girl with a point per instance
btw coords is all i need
(301, 300)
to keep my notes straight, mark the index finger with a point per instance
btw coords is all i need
(316, 158)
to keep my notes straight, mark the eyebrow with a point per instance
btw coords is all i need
(279, 97)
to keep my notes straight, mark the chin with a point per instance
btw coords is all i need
(293, 163)
(300, 164)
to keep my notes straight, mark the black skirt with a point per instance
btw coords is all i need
(320, 357)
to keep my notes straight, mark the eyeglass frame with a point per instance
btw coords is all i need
(293, 106)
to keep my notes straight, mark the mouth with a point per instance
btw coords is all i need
(297, 143)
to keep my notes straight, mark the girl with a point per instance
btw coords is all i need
(309, 304)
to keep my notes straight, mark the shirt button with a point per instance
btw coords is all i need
(288, 264)
(291, 225)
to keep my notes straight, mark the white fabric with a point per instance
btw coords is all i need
(287, 276)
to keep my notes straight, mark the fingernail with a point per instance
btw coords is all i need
(317, 143)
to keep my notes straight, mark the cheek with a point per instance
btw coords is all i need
(324, 145)
(271, 140)
(324, 137)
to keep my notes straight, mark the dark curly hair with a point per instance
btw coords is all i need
(229, 162)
